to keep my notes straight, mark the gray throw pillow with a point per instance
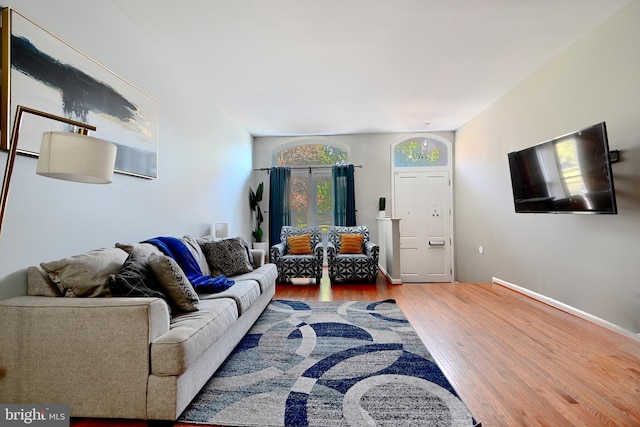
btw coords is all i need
(87, 274)
(228, 257)
(174, 282)
(144, 249)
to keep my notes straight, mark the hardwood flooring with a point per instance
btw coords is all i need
(513, 360)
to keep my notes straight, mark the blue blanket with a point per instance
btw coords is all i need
(176, 249)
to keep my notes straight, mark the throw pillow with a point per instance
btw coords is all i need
(174, 282)
(299, 245)
(196, 250)
(207, 239)
(135, 279)
(87, 274)
(144, 249)
(351, 243)
(228, 257)
(248, 249)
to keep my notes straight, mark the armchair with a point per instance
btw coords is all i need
(298, 264)
(353, 265)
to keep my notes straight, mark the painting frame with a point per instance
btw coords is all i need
(42, 71)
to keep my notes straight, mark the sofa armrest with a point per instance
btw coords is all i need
(258, 257)
(90, 353)
(331, 251)
(278, 250)
(372, 250)
(318, 251)
(39, 283)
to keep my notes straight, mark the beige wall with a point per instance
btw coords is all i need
(588, 262)
(204, 157)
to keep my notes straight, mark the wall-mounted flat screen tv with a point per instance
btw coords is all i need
(568, 174)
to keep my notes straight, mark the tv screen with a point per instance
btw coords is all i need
(568, 174)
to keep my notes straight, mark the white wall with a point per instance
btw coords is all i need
(588, 262)
(204, 156)
(373, 181)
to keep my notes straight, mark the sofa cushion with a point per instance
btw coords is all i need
(265, 275)
(190, 335)
(87, 274)
(173, 282)
(135, 279)
(228, 257)
(243, 292)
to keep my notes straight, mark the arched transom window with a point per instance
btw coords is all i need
(311, 155)
(420, 152)
(311, 182)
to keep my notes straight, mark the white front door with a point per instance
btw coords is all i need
(422, 200)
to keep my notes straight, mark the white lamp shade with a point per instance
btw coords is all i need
(76, 157)
(222, 230)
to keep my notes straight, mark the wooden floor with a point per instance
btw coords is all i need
(514, 361)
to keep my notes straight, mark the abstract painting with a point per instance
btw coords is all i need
(42, 71)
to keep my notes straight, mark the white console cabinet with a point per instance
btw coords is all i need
(389, 242)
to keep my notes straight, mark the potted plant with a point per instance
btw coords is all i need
(254, 204)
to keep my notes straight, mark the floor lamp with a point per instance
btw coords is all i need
(63, 155)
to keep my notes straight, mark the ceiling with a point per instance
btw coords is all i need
(302, 67)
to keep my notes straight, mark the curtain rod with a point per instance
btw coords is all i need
(308, 167)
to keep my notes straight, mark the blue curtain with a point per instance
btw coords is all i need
(344, 197)
(279, 203)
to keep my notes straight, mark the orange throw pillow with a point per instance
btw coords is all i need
(300, 245)
(351, 243)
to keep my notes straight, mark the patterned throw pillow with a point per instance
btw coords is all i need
(248, 249)
(351, 243)
(207, 239)
(135, 279)
(174, 282)
(299, 245)
(228, 257)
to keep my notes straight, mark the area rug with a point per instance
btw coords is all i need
(329, 364)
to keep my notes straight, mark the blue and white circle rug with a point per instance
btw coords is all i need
(329, 364)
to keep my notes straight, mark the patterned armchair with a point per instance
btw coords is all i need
(293, 265)
(352, 266)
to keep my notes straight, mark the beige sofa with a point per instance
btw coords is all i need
(122, 357)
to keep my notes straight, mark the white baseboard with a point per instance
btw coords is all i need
(389, 278)
(565, 307)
